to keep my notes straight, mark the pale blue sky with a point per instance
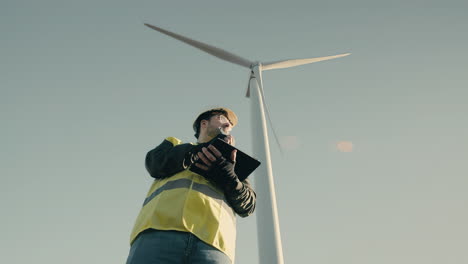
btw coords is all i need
(86, 90)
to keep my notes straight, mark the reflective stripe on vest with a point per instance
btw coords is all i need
(185, 183)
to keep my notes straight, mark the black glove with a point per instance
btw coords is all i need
(222, 174)
(191, 156)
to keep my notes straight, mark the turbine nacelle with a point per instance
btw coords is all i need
(255, 72)
(255, 64)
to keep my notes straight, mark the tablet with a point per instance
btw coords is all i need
(245, 164)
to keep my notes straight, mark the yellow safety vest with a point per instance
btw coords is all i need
(187, 202)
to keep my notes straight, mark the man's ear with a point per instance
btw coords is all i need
(203, 123)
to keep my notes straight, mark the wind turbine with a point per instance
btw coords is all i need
(269, 239)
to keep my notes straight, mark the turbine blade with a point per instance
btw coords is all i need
(297, 62)
(257, 72)
(217, 52)
(247, 93)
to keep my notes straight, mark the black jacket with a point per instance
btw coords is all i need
(166, 160)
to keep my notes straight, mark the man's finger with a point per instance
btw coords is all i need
(215, 151)
(208, 154)
(203, 167)
(203, 158)
(232, 141)
(233, 155)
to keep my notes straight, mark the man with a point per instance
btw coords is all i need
(189, 217)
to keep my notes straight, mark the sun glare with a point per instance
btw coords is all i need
(345, 146)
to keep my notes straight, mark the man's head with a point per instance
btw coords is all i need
(208, 123)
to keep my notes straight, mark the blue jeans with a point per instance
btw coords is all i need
(173, 247)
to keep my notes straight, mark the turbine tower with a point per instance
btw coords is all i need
(268, 230)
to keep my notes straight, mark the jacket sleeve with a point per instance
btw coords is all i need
(242, 199)
(167, 159)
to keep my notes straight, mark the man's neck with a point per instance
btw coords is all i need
(204, 138)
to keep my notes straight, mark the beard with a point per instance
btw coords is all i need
(214, 131)
(219, 132)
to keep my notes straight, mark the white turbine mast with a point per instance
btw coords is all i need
(268, 231)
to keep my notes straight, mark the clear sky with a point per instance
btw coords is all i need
(86, 90)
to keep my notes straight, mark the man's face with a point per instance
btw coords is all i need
(216, 122)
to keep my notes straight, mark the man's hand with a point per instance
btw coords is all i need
(230, 140)
(218, 169)
(212, 156)
(194, 154)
